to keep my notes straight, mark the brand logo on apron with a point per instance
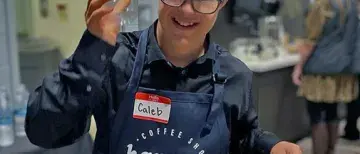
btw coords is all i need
(131, 148)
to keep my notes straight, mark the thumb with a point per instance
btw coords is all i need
(121, 5)
(297, 81)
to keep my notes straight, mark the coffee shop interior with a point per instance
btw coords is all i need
(35, 35)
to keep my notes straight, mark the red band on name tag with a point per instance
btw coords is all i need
(153, 98)
(152, 107)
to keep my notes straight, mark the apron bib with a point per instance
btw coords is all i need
(151, 121)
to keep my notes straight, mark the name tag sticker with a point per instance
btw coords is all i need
(152, 107)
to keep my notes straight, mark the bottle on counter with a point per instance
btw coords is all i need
(7, 137)
(129, 19)
(21, 99)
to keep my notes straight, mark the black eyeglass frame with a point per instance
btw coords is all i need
(192, 5)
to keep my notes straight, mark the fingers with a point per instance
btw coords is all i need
(296, 150)
(297, 82)
(281, 152)
(92, 6)
(295, 76)
(296, 79)
(121, 5)
(99, 13)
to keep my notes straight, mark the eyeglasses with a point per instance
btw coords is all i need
(201, 6)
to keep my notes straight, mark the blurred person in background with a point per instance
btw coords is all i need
(351, 131)
(324, 92)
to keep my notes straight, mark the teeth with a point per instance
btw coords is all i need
(184, 23)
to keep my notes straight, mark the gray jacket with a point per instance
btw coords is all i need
(334, 50)
(355, 65)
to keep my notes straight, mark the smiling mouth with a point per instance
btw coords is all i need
(183, 24)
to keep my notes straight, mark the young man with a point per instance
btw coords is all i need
(167, 89)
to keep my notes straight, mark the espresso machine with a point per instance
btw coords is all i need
(265, 28)
(270, 29)
(270, 26)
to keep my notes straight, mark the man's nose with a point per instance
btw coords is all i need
(187, 7)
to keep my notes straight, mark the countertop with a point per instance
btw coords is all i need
(284, 60)
(274, 64)
(23, 145)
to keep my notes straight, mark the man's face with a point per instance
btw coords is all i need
(183, 23)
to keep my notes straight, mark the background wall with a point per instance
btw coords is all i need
(66, 33)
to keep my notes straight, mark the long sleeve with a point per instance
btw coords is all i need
(59, 109)
(260, 141)
(256, 140)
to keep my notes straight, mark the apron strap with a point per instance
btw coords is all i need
(219, 79)
(130, 90)
(139, 61)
